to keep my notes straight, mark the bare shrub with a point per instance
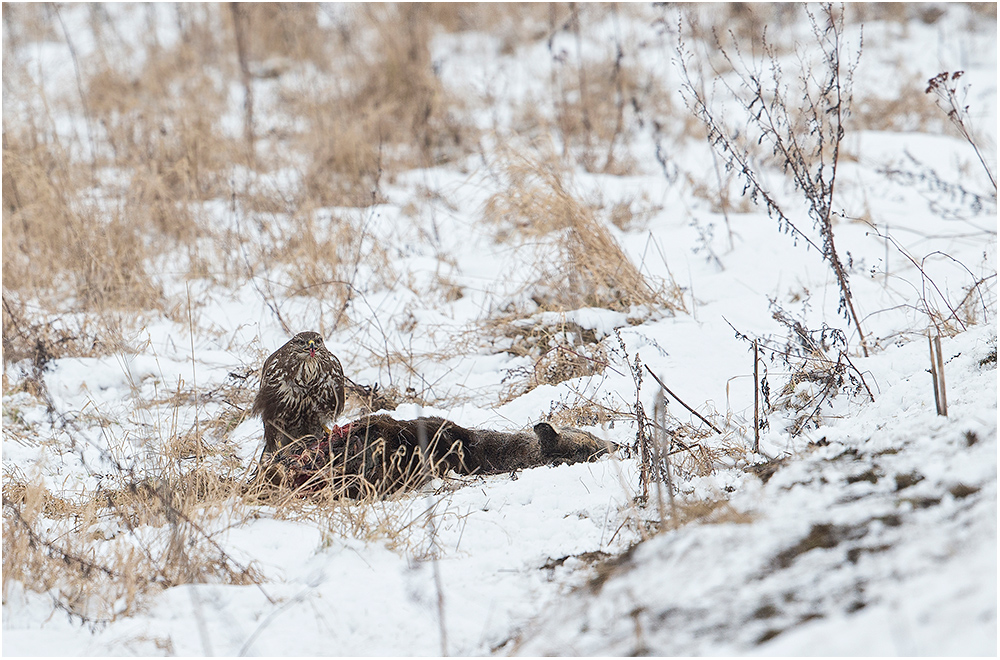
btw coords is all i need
(804, 137)
(818, 368)
(944, 86)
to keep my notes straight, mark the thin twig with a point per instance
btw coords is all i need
(689, 408)
(756, 399)
(79, 85)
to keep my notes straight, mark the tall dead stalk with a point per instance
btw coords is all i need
(240, 19)
(756, 399)
(937, 375)
(663, 455)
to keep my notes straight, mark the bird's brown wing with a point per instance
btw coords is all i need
(267, 393)
(331, 392)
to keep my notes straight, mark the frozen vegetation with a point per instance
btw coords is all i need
(500, 215)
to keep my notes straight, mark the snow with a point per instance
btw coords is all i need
(876, 535)
(891, 568)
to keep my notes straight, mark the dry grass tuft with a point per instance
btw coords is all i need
(581, 411)
(632, 213)
(557, 352)
(590, 269)
(708, 511)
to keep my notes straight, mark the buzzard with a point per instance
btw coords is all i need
(301, 391)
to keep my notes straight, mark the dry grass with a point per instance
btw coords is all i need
(282, 32)
(708, 511)
(24, 338)
(155, 516)
(597, 91)
(903, 12)
(102, 553)
(557, 352)
(322, 255)
(358, 100)
(149, 521)
(632, 213)
(515, 23)
(403, 522)
(61, 246)
(585, 412)
(590, 269)
(63, 241)
(159, 141)
(387, 110)
(910, 110)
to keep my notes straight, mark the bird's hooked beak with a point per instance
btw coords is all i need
(312, 348)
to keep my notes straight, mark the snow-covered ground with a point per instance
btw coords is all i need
(875, 535)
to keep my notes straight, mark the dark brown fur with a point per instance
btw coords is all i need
(377, 454)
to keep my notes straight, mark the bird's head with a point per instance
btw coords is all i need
(307, 343)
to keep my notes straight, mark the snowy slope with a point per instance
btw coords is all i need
(880, 539)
